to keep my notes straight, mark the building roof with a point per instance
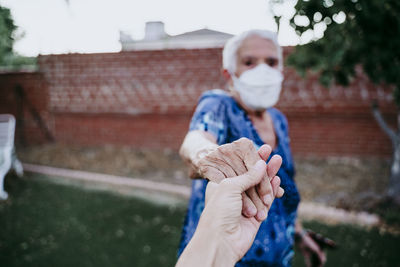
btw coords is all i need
(203, 32)
(157, 39)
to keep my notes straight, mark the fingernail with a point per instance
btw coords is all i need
(267, 199)
(261, 215)
(252, 211)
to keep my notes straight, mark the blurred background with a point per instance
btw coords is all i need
(110, 86)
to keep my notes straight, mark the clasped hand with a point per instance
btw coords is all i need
(235, 159)
(224, 234)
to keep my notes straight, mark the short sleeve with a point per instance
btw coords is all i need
(210, 116)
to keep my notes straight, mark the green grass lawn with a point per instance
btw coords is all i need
(358, 247)
(47, 224)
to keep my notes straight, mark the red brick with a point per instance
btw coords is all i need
(146, 98)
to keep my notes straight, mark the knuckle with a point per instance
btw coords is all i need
(240, 142)
(263, 190)
(243, 141)
(204, 161)
(247, 142)
(225, 149)
(213, 160)
(203, 170)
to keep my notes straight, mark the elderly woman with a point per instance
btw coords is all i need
(226, 130)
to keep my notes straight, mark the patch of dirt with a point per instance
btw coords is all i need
(161, 165)
(349, 183)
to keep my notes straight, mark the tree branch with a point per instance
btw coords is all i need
(382, 123)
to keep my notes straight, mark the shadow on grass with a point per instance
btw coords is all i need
(47, 224)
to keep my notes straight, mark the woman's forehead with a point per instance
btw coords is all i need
(256, 46)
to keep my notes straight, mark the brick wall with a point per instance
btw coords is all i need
(338, 134)
(34, 99)
(131, 82)
(337, 121)
(146, 131)
(146, 98)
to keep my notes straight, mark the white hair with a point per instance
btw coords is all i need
(229, 54)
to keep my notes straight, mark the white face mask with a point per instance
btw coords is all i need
(260, 87)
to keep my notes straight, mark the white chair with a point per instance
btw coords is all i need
(8, 158)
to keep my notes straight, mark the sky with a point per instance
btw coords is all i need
(90, 26)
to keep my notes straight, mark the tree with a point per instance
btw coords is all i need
(7, 28)
(362, 33)
(8, 58)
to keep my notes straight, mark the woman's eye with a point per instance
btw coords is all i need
(272, 62)
(248, 62)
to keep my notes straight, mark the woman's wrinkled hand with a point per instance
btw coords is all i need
(235, 159)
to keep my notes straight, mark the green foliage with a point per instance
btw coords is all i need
(13, 61)
(8, 59)
(7, 28)
(362, 33)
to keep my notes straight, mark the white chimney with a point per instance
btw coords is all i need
(154, 31)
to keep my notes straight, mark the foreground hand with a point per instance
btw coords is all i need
(235, 159)
(223, 234)
(224, 204)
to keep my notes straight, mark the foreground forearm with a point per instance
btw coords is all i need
(204, 250)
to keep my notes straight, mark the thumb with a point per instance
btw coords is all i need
(210, 191)
(252, 177)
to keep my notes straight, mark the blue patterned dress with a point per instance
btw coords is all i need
(219, 114)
